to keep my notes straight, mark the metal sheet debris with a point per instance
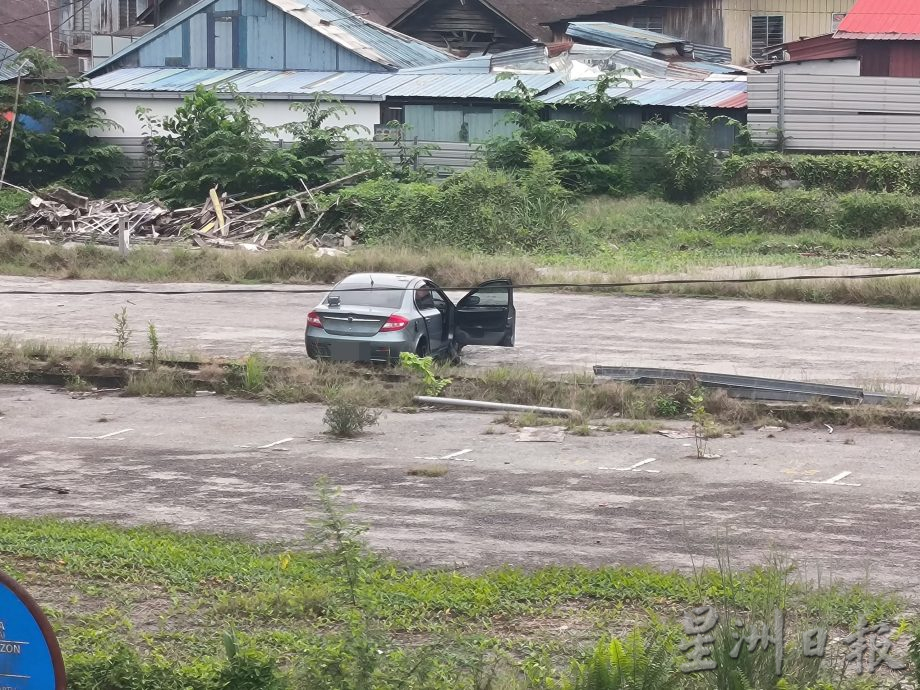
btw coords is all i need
(748, 387)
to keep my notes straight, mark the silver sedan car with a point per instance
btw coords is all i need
(374, 317)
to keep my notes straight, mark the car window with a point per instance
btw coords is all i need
(491, 296)
(364, 295)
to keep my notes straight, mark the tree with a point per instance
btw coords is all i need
(54, 140)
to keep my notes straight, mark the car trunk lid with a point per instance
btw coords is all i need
(356, 321)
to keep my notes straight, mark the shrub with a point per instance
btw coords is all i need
(347, 419)
(636, 664)
(209, 143)
(738, 211)
(861, 214)
(480, 209)
(882, 172)
(54, 139)
(679, 165)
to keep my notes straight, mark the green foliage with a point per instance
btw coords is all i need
(862, 214)
(636, 664)
(679, 164)
(153, 346)
(209, 143)
(122, 668)
(882, 172)
(854, 215)
(122, 331)
(434, 384)
(347, 419)
(758, 210)
(12, 201)
(583, 149)
(480, 209)
(64, 149)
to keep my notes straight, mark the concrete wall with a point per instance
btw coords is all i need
(835, 113)
(272, 113)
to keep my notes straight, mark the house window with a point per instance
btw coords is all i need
(766, 32)
(652, 22)
(392, 113)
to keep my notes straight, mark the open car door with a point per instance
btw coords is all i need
(486, 316)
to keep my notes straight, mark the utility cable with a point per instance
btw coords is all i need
(525, 286)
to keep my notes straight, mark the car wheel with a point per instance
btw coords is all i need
(422, 349)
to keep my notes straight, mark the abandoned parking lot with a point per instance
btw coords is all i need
(562, 332)
(215, 465)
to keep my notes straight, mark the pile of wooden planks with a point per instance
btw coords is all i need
(224, 222)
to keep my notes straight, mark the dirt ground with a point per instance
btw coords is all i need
(862, 346)
(220, 466)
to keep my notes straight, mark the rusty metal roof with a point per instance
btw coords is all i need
(882, 20)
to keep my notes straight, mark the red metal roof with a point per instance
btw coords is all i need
(824, 47)
(892, 20)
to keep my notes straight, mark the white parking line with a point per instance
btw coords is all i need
(276, 443)
(634, 468)
(99, 438)
(450, 456)
(835, 480)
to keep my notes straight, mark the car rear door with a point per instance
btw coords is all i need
(486, 316)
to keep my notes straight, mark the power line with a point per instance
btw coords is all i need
(51, 33)
(525, 286)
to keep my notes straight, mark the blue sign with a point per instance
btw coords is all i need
(30, 658)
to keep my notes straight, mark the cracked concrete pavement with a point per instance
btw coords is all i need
(197, 464)
(875, 348)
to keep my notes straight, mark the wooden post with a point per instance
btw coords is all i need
(123, 240)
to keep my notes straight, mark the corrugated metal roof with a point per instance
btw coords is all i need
(287, 84)
(621, 36)
(377, 43)
(8, 67)
(372, 41)
(717, 54)
(893, 20)
(664, 92)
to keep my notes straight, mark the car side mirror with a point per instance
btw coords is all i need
(472, 300)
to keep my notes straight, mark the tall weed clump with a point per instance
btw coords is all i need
(739, 211)
(480, 209)
(882, 172)
(854, 215)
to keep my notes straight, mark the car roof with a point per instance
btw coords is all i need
(381, 279)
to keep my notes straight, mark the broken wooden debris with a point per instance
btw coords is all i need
(221, 222)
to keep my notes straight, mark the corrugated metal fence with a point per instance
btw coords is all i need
(443, 157)
(834, 113)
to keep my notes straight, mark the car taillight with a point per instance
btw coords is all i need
(394, 323)
(313, 320)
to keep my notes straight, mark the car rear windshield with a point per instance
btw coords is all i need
(365, 295)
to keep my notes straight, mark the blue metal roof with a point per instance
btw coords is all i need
(8, 68)
(663, 92)
(371, 41)
(620, 36)
(270, 84)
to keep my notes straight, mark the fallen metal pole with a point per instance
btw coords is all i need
(504, 407)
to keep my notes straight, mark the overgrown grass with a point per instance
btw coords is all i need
(176, 598)
(630, 239)
(281, 380)
(152, 264)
